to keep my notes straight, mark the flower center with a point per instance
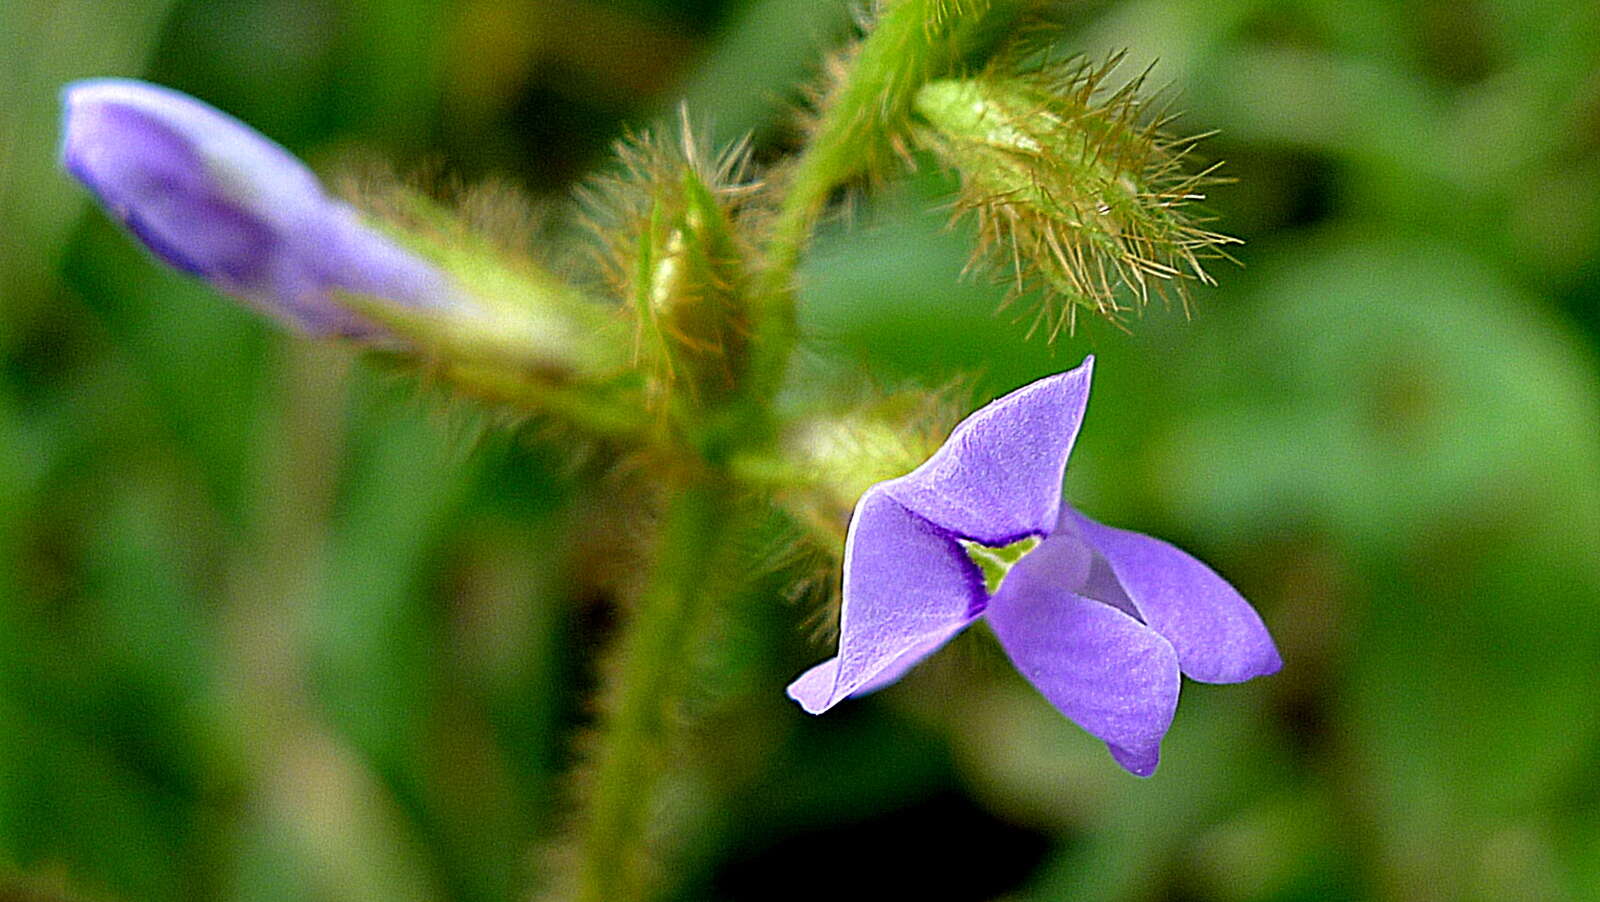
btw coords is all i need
(994, 562)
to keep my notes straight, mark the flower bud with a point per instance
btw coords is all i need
(672, 250)
(213, 197)
(694, 291)
(1074, 190)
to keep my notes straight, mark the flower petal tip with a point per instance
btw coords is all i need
(1267, 663)
(1236, 662)
(1140, 762)
(815, 690)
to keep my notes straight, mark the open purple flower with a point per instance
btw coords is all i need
(213, 197)
(1100, 620)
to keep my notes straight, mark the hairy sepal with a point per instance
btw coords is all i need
(669, 230)
(516, 334)
(1077, 193)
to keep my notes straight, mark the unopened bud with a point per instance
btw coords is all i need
(696, 293)
(213, 197)
(1075, 192)
(673, 250)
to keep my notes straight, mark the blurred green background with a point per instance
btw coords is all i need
(276, 625)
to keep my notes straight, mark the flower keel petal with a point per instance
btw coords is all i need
(1219, 637)
(1109, 673)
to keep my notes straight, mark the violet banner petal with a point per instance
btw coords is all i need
(1219, 637)
(908, 586)
(998, 477)
(1112, 675)
(213, 197)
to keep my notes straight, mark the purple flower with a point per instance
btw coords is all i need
(1100, 620)
(213, 197)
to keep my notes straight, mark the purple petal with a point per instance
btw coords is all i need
(1112, 675)
(215, 198)
(357, 259)
(819, 682)
(908, 587)
(1219, 637)
(908, 659)
(997, 478)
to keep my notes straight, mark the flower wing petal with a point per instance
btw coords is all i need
(908, 587)
(1109, 673)
(1219, 637)
(997, 478)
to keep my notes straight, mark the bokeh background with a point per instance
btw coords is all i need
(276, 625)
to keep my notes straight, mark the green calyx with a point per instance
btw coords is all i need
(506, 330)
(669, 232)
(503, 311)
(1075, 193)
(995, 563)
(690, 290)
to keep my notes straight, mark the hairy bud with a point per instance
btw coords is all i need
(212, 197)
(1075, 190)
(524, 323)
(672, 251)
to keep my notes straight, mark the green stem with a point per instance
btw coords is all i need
(591, 410)
(653, 651)
(913, 42)
(862, 121)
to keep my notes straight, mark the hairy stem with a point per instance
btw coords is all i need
(653, 650)
(862, 125)
(863, 121)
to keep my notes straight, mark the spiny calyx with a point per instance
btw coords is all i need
(672, 250)
(1076, 191)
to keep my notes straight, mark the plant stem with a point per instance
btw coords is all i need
(861, 129)
(653, 651)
